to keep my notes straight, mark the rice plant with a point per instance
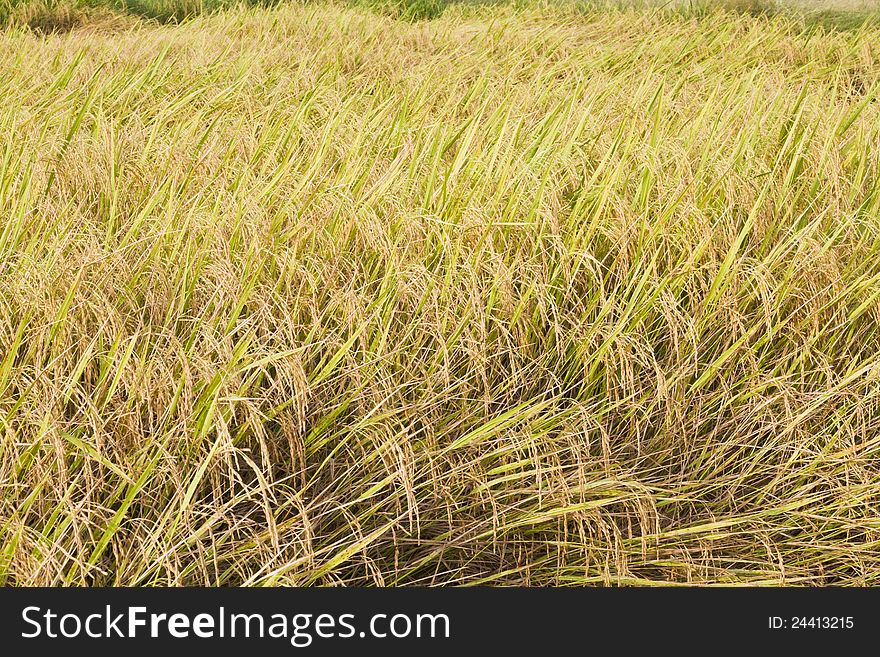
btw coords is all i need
(533, 294)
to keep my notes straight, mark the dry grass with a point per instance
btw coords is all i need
(536, 296)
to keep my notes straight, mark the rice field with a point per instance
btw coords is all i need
(512, 294)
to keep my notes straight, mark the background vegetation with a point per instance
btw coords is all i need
(540, 295)
(62, 15)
